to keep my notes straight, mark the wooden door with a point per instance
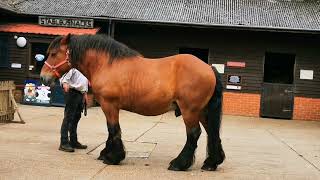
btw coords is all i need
(277, 100)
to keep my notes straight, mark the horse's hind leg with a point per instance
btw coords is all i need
(186, 157)
(212, 124)
(215, 153)
(114, 152)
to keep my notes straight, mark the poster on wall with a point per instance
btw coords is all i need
(233, 82)
(36, 94)
(43, 94)
(29, 92)
(234, 79)
(306, 74)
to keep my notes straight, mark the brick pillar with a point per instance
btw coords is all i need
(244, 104)
(306, 108)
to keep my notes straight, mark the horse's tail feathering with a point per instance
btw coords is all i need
(214, 149)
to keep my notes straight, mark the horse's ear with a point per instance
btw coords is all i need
(66, 39)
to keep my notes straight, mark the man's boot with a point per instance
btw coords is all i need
(66, 147)
(75, 144)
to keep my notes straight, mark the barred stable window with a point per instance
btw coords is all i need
(4, 52)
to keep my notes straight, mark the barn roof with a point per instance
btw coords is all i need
(6, 5)
(298, 15)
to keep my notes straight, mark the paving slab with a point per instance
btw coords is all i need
(256, 148)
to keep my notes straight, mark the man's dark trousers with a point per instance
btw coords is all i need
(72, 115)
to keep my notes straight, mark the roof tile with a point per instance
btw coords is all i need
(280, 14)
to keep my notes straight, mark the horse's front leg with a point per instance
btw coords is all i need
(186, 157)
(114, 152)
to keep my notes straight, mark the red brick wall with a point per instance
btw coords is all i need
(306, 108)
(244, 104)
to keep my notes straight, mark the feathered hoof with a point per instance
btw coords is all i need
(180, 164)
(100, 157)
(208, 167)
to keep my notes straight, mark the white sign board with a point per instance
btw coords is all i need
(306, 74)
(233, 87)
(219, 67)
(16, 65)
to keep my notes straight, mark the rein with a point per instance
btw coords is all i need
(54, 67)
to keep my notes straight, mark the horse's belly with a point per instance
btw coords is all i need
(151, 108)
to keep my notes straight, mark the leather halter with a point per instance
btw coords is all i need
(54, 67)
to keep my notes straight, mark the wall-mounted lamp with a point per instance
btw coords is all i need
(21, 41)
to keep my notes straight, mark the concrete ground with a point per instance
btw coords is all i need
(255, 148)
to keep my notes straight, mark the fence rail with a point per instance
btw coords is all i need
(8, 105)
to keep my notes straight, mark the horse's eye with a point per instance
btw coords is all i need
(53, 54)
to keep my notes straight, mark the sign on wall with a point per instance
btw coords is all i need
(236, 64)
(234, 79)
(306, 74)
(16, 65)
(219, 67)
(66, 22)
(233, 87)
(233, 82)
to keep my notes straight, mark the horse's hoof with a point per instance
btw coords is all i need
(207, 167)
(175, 168)
(113, 159)
(172, 168)
(179, 165)
(100, 157)
(110, 163)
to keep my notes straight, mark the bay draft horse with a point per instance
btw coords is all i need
(121, 78)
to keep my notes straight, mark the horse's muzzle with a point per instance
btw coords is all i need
(48, 81)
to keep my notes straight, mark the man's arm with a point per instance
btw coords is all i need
(66, 87)
(64, 81)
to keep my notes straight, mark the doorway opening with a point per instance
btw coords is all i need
(279, 68)
(202, 54)
(277, 90)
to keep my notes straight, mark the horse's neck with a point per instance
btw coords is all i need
(91, 69)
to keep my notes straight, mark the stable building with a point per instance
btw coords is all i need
(266, 51)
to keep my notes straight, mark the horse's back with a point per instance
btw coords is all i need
(188, 72)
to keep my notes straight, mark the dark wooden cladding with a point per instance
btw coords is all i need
(15, 55)
(308, 88)
(20, 56)
(229, 45)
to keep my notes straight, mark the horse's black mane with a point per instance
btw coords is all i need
(79, 44)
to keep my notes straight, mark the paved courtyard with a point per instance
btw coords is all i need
(255, 148)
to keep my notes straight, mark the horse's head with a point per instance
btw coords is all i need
(58, 60)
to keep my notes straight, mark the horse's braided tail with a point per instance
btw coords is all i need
(215, 152)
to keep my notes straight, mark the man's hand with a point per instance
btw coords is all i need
(85, 101)
(85, 97)
(66, 87)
